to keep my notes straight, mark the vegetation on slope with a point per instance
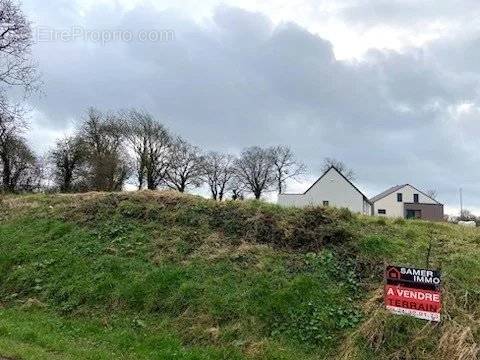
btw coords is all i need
(152, 275)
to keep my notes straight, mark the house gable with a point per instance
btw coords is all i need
(398, 189)
(392, 202)
(329, 171)
(330, 189)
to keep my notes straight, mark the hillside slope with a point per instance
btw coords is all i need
(159, 275)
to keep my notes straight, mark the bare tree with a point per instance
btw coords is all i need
(18, 164)
(467, 215)
(67, 160)
(12, 127)
(340, 166)
(255, 170)
(285, 165)
(23, 168)
(186, 166)
(432, 193)
(151, 143)
(236, 187)
(218, 172)
(16, 65)
(107, 158)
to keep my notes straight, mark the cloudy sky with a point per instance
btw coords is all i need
(391, 87)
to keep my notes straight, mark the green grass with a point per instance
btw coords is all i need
(41, 334)
(161, 275)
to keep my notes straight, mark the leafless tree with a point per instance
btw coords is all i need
(432, 193)
(16, 65)
(255, 170)
(17, 68)
(218, 172)
(186, 166)
(67, 160)
(107, 158)
(23, 168)
(340, 166)
(467, 215)
(285, 166)
(236, 187)
(12, 128)
(151, 143)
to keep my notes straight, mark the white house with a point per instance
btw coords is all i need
(331, 189)
(406, 201)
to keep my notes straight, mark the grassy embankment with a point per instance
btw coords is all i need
(167, 276)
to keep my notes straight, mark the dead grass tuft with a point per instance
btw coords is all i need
(33, 303)
(198, 328)
(458, 343)
(454, 340)
(255, 349)
(372, 330)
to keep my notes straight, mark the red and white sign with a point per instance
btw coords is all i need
(422, 304)
(414, 292)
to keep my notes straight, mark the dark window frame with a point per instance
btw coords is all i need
(382, 211)
(416, 198)
(399, 197)
(326, 203)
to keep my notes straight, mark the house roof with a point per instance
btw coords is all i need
(387, 192)
(325, 173)
(396, 188)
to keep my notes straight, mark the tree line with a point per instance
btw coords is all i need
(109, 148)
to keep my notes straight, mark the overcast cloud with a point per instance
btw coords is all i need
(402, 106)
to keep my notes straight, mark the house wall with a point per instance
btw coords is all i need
(332, 187)
(296, 200)
(395, 208)
(367, 207)
(433, 212)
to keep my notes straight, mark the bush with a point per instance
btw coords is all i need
(315, 228)
(264, 229)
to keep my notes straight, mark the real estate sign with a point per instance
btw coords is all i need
(414, 292)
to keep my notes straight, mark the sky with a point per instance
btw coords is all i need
(390, 87)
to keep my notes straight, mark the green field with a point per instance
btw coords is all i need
(159, 275)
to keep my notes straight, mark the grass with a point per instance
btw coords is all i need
(161, 275)
(40, 334)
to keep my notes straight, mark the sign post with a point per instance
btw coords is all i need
(414, 292)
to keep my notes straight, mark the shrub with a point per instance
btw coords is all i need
(315, 228)
(264, 229)
(230, 217)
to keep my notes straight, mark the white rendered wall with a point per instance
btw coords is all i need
(395, 208)
(332, 187)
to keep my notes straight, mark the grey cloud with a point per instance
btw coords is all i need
(403, 13)
(240, 80)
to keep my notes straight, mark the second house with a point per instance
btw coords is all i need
(406, 201)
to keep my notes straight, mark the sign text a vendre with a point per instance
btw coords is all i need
(414, 292)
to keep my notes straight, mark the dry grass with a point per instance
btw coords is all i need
(454, 340)
(458, 343)
(370, 329)
(179, 231)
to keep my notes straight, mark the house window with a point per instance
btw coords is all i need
(399, 197)
(413, 214)
(382, 211)
(415, 198)
(325, 203)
